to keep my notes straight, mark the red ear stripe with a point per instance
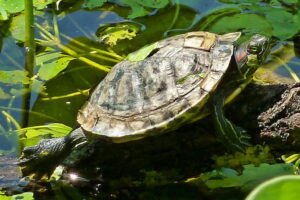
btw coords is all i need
(241, 57)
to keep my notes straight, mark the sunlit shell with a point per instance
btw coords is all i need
(161, 92)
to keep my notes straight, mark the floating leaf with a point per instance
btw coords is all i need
(285, 25)
(250, 177)
(54, 129)
(3, 14)
(51, 64)
(249, 23)
(18, 91)
(279, 188)
(111, 35)
(291, 1)
(23, 196)
(14, 77)
(94, 3)
(141, 54)
(138, 7)
(56, 175)
(34, 133)
(4, 95)
(17, 27)
(15, 6)
(38, 87)
(239, 1)
(10, 6)
(3, 196)
(41, 4)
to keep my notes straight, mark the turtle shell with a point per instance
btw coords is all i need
(161, 92)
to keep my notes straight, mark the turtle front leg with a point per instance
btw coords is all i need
(43, 158)
(235, 137)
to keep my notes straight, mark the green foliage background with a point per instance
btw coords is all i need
(68, 67)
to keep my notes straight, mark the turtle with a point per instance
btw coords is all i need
(157, 89)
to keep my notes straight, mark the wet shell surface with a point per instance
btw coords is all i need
(161, 92)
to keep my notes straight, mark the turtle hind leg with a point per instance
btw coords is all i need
(234, 136)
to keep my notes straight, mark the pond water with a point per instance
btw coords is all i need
(117, 28)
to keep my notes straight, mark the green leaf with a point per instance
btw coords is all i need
(14, 77)
(4, 95)
(94, 3)
(46, 57)
(54, 129)
(250, 177)
(41, 4)
(138, 9)
(56, 175)
(17, 27)
(150, 3)
(249, 23)
(141, 54)
(111, 35)
(239, 1)
(4, 197)
(12, 6)
(33, 134)
(15, 6)
(51, 64)
(285, 25)
(279, 188)
(3, 14)
(23, 196)
(38, 87)
(291, 1)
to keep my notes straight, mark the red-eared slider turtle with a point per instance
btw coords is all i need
(157, 89)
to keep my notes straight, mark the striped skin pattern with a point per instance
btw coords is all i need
(230, 134)
(160, 93)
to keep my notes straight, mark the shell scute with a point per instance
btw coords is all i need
(162, 92)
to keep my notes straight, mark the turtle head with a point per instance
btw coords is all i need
(252, 53)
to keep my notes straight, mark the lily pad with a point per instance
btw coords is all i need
(16, 6)
(291, 1)
(17, 27)
(285, 24)
(139, 7)
(54, 129)
(4, 95)
(10, 6)
(239, 1)
(94, 3)
(14, 77)
(56, 63)
(247, 22)
(250, 177)
(142, 53)
(279, 188)
(23, 196)
(41, 4)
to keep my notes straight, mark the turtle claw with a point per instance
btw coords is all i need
(42, 159)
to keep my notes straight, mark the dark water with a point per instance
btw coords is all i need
(82, 25)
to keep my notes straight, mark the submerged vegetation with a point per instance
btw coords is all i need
(49, 65)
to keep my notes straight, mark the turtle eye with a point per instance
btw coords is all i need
(253, 49)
